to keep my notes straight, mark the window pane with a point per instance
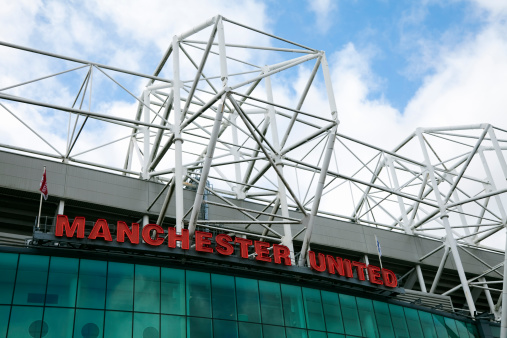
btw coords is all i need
(385, 327)
(440, 326)
(199, 327)
(224, 297)
(173, 291)
(247, 297)
(89, 323)
(317, 334)
(462, 329)
(120, 286)
(118, 324)
(31, 280)
(146, 325)
(295, 333)
(273, 331)
(91, 290)
(225, 329)
(334, 335)
(450, 325)
(147, 289)
(367, 316)
(62, 282)
(472, 330)
(414, 326)
(8, 264)
(60, 322)
(26, 320)
(173, 326)
(427, 324)
(313, 309)
(198, 294)
(399, 321)
(4, 319)
(332, 312)
(350, 316)
(249, 330)
(271, 303)
(293, 308)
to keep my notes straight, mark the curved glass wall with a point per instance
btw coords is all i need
(42, 296)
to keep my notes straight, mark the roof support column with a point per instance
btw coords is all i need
(440, 269)
(420, 277)
(445, 219)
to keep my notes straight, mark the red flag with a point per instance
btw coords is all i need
(44, 185)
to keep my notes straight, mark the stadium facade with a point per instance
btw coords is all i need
(228, 217)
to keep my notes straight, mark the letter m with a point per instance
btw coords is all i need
(62, 222)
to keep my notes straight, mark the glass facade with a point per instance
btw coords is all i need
(42, 296)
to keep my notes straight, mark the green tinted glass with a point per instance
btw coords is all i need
(26, 321)
(313, 309)
(118, 324)
(350, 315)
(293, 308)
(367, 316)
(89, 323)
(413, 323)
(249, 330)
(31, 280)
(292, 332)
(199, 328)
(198, 294)
(91, 290)
(225, 328)
(60, 322)
(271, 303)
(147, 289)
(172, 326)
(273, 331)
(8, 266)
(399, 321)
(385, 327)
(224, 297)
(120, 286)
(332, 312)
(62, 282)
(173, 291)
(247, 298)
(427, 324)
(146, 325)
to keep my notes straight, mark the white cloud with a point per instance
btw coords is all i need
(324, 11)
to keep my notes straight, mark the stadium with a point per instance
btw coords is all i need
(235, 212)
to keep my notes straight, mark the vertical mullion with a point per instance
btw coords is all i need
(13, 291)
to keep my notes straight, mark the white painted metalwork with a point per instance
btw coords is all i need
(213, 118)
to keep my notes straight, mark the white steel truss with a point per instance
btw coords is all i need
(220, 123)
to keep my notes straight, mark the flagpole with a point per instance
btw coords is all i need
(377, 244)
(40, 205)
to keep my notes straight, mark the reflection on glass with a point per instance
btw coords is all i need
(147, 289)
(31, 280)
(367, 316)
(173, 291)
(293, 309)
(249, 330)
(60, 322)
(414, 326)
(440, 326)
(22, 318)
(316, 334)
(332, 312)
(8, 265)
(350, 316)
(313, 309)
(247, 298)
(117, 324)
(292, 332)
(273, 331)
(385, 327)
(4, 319)
(198, 294)
(173, 326)
(62, 282)
(89, 324)
(225, 328)
(399, 321)
(427, 324)
(146, 325)
(462, 329)
(120, 286)
(224, 297)
(199, 328)
(271, 303)
(450, 325)
(91, 289)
